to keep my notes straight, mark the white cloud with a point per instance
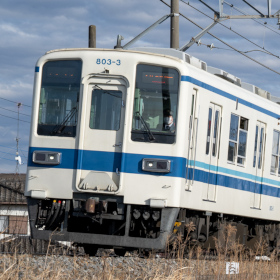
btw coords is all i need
(30, 28)
(8, 28)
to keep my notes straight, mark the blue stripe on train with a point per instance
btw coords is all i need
(109, 161)
(232, 182)
(132, 163)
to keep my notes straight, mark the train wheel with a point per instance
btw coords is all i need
(120, 252)
(90, 249)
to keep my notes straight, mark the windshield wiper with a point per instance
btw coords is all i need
(60, 127)
(106, 91)
(150, 134)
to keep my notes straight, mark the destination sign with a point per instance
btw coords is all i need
(157, 78)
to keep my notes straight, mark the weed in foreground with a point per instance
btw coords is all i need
(182, 260)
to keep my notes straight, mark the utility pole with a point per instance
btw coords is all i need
(174, 27)
(18, 158)
(92, 36)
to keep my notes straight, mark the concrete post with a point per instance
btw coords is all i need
(174, 28)
(92, 36)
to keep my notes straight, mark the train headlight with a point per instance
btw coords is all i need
(156, 165)
(43, 157)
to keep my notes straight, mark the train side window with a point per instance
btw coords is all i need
(275, 153)
(256, 146)
(215, 136)
(261, 148)
(208, 130)
(237, 139)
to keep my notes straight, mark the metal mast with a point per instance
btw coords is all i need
(220, 16)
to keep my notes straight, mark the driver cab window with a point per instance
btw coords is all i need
(155, 104)
(59, 98)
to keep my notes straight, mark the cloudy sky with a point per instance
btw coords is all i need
(30, 28)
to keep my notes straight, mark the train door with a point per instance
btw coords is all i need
(193, 122)
(101, 134)
(212, 149)
(258, 163)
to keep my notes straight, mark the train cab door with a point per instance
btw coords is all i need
(258, 161)
(212, 150)
(101, 134)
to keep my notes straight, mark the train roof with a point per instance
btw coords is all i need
(176, 54)
(215, 71)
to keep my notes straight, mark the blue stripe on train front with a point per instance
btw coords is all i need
(132, 163)
(109, 161)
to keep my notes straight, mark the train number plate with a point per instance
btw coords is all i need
(105, 61)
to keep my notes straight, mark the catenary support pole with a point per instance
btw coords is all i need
(174, 28)
(92, 36)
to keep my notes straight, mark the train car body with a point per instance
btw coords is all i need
(128, 146)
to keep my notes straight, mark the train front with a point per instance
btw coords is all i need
(104, 167)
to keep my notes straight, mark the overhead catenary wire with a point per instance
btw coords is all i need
(7, 159)
(7, 153)
(225, 42)
(14, 102)
(13, 118)
(11, 148)
(263, 24)
(21, 152)
(15, 111)
(25, 157)
(266, 51)
(219, 48)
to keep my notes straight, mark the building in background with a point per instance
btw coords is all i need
(14, 222)
(13, 206)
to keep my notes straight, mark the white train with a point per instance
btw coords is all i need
(128, 146)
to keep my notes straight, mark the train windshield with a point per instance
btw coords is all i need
(59, 98)
(155, 104)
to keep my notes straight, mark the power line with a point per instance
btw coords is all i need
(12, 153)
(23, 154)
(14, 102)
(7, 153)
(7, 159)
(10, 148)
(225, 42)
(219, 48)
(14, 111)
(266, 51)
(13, 118)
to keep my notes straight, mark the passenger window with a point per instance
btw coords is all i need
(208, 130)
(261, 148)
(275, 153)
(256, 146)
(215, 136)
(105, 110)
(237, 139)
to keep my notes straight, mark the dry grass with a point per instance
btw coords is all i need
(103, 268)
(180, 261)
